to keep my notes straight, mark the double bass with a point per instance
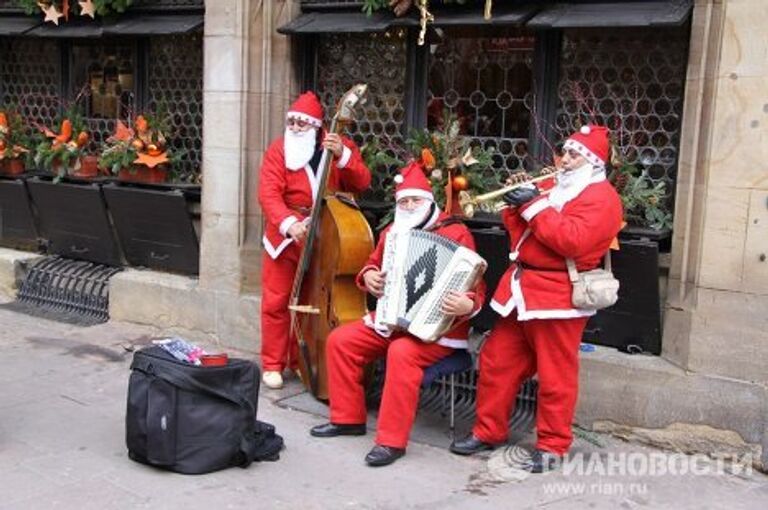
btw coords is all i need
(339, 240)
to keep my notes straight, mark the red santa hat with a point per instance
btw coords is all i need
(307, 107)
(591, 141)
(411, 182)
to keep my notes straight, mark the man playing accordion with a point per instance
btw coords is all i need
(350, 347)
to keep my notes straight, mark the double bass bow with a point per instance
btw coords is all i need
(338, 242)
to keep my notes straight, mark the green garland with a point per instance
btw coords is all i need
(103, 7)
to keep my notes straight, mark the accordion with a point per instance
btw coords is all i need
(421, 267)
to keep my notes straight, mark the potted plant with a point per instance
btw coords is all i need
(14, 143)
(65, 152)
(453, 165)
(141, 153)
(643, 200)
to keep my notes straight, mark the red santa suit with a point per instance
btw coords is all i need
(286, 196)
(350, 347)
(540, 330)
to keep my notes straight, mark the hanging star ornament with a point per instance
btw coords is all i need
(51, 13)
(87, 8)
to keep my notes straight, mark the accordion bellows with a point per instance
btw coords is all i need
(421, 267)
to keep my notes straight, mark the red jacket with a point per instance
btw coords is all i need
(458, 232)
(287, 195)
(583, 230)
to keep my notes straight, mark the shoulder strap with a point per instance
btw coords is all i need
(573, 273)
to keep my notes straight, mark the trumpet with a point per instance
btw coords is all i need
(468, 203)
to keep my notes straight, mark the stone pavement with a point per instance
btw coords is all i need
(62, 405)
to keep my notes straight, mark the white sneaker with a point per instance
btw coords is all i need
(273, 380)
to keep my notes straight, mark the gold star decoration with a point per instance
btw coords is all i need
(87, 8)
(51, 13)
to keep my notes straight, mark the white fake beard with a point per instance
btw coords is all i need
(406, 220)
(571, 183)
(299, 147)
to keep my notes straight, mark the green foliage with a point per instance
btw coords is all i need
(369, 6)
(17, 137)
(60, 157)
(374, 5)
(117, 156)
(453, 156)
(103, 7)
(643, 200)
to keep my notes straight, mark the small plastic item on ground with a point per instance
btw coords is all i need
(585, 347)
(181, 349)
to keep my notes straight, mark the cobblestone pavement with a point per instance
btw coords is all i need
(62, 407)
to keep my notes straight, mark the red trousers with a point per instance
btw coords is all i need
(348, 349)
(515, 351)
(277, 349)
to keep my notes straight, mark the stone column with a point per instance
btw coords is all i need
(271, 87)
(224, 132)
(717, 322)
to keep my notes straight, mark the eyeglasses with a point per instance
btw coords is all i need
(413, 202)
(301, 124)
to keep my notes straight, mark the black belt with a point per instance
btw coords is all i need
(523, 265)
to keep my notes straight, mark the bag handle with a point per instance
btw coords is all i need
(573, 273)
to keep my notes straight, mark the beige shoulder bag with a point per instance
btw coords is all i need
(595, 289)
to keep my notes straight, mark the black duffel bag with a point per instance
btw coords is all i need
(195, 419)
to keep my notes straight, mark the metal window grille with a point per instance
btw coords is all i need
(176, 84)
(30, 73)
(379, 61)
(633, 82)
(485, 82)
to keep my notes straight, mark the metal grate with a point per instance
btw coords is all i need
(30, 72)
(378, 60)
(69, 286)
(485, 81)
(176, 84)
(632, 82)
(437, 397)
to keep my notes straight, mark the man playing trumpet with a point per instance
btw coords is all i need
(540, 330)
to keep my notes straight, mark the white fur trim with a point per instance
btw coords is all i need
(346, 154)
(368, 321)
(314, 121)
(314, 180)
(414, 192)
(503, 310)
(569, 313)
(454, 343)
(275, 252)
(584, 151)
(534, 209)
(286, 224)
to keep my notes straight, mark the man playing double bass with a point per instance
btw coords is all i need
(287, 190)
(351, 346)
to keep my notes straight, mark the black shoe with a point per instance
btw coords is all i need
(333, 430)
(470, 445)
(383, 455)
(543, 461)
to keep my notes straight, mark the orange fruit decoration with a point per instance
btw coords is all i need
(427, 158)
(82, 139)
(460, 183)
